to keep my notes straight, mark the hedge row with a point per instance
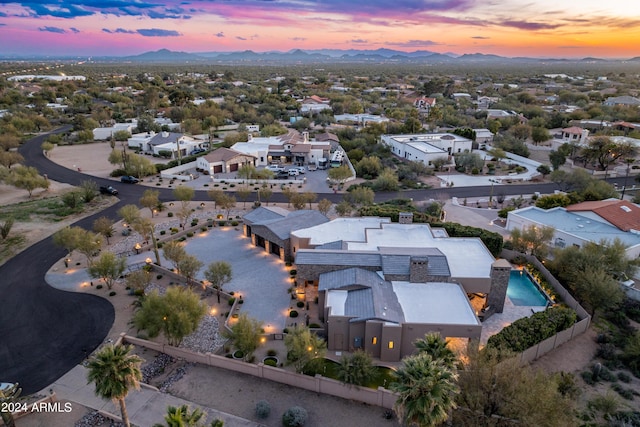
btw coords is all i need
(529, 331)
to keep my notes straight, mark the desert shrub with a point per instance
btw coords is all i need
(99, 287)
(300, 304)
(159, 276)
(190, 234)
(587, 376)
(293, 313)
(271, 362)
(624, 392)
(263, 409)
(222, 223)
(170, 214)
(314, 326)
(163, 232)
(295, 416)
(231, 301)
(271, 352)
(112, 293)
(625, 378)
(234, 223)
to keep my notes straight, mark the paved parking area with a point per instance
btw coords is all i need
(260, 278)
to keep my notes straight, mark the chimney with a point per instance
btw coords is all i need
(249, 137)
(305, 137)
(418, 266)
(405, 218)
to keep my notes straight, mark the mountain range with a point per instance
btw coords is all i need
(328, 56)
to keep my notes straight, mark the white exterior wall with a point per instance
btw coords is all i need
(515, 221)
(140, 140)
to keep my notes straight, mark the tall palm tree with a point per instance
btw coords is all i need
(427, 390)
(436, 347)
(114, 370)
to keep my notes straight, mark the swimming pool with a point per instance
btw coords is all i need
(522, 290)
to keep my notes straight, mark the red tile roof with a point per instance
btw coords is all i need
(620, 213)
(573, 129)
(223, 155)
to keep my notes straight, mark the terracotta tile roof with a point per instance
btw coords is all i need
(326, 136)
(301, 148)
(620, 213)
(572, 129)
(223, 155)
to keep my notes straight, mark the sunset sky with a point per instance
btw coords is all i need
(535, 28)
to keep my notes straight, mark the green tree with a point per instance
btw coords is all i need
(245, 335)
(189, 266)
(387, 181)
(243, 194)
(5, 228)
(146, 228)
(340, 174)
(356, 368)
(344, 208)
(598, 290)
(184, 194)
(603, 151)
(176, 314)
(218, 273)
(88, 244)
(532, 240)
(138, 280)
(115, 370)
(540, 134)
(108, 267)
(265, 193)
(47, 147)
(104, 227)
(27, 178)
(426, 389)
(360, 196)
(369, 167)
(174, 252)
(150, 199)
(302, 347)
(550, 201)
(129, 214)
(436, 347)
(557, 159)
(324, 206)
(226, 202)
(496, 391)
(88, 190)
(67, 238)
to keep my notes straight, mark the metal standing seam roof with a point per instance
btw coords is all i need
(262, 214)
(162, 138)
(369, 295)
(283, 226)
(338, 244)
(337, 257)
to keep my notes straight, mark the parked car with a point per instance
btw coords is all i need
(312, 167)
(281, 175)
(127, 179)
(293, 172)
(274, 168)
(300, 169)
(197, 151)
(107, 189)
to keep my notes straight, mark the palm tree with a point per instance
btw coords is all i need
(427, 390)
(114, 370)
(436, 347)
(182, 416)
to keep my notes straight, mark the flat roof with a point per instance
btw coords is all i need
(444, 303)
(578, 225)
(425, 147)
(347, 229)
(467, 256)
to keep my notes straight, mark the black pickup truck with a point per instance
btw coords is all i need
(107, 189)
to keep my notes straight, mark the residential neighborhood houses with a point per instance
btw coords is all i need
(357, 229)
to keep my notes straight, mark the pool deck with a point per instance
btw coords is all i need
(498, 321)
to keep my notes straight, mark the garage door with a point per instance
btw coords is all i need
(275, 249)
(217, 169)
(233, 167)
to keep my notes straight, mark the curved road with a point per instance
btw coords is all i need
(45, 332)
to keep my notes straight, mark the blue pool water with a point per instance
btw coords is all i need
(522, 291)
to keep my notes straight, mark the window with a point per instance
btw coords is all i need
(374, 340)
(390, 345)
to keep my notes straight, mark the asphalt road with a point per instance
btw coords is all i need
(45, 332)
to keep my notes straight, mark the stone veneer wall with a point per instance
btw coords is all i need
(500, 272)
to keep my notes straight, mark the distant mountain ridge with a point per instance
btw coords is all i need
(381, 55)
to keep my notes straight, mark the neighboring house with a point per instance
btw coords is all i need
(360, 119)
(424, 104)
(292, 147)
(503, 114)
(484, 136)
(314, 104)
(270, 228)
(382, 285)
(426, 147)
(223, 160)
(622, 100)
(596, 221)
(575, 134)
(625, 127)
(458, 96)
(177, 144)
(592, 125)
(102, 134)
(484, 102)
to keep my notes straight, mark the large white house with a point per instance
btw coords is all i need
(223, 160)
(292, 147)
(426, 147)
(102, 134)
(175, 143)
(382, 285)
(575, 225)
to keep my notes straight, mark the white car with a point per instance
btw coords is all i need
(301, 169)
(293, 172)
(274, 168)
